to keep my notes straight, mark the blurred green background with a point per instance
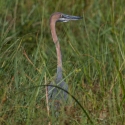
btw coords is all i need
(93, 51)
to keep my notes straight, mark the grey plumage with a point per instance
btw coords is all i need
(56, 93)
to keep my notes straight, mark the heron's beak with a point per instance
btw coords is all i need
(66, 18)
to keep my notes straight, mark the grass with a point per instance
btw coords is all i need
(93, 52)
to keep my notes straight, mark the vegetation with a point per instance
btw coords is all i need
(93, 52)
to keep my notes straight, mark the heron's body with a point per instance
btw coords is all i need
(54, 93)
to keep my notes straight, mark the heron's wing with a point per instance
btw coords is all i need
(56, 93)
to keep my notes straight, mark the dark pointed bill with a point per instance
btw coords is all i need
(66, 18)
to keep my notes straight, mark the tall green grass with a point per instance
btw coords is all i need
(93, 51)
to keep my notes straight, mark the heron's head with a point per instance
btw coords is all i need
(60, 17)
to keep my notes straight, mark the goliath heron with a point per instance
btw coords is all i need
(55, 94)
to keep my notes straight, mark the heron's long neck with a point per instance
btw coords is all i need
(58, 51)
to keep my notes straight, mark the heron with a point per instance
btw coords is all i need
(54, 93)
